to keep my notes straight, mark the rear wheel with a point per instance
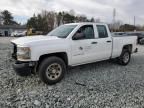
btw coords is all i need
(52, 70)
(125, 57)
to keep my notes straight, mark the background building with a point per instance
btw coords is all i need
(11, 30)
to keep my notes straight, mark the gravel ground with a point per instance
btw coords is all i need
(98, 85)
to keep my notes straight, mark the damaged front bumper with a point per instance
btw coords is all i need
(23, 68)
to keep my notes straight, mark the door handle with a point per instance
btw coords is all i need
(94, 42)
(109, 41)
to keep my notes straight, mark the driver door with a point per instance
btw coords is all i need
(83, 48)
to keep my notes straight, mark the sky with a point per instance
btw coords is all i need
(102, 9)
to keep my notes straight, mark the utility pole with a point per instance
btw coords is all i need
(134, 23)
(55, 21)
(134, 20)
(114, 16)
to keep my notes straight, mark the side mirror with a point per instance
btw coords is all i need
(78, 36)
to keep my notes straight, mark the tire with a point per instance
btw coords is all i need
(124, 58)
(52, 70)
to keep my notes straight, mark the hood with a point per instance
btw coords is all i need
(28, 40)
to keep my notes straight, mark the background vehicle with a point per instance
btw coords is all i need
(0, 34)
(70, 45)
(142, 41)
(140, 35)
(18, 33)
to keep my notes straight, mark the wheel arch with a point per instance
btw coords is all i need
(62, 55)
(128, 47)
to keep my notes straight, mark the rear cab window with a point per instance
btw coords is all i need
(102, 31)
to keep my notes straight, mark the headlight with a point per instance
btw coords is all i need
(23, 53)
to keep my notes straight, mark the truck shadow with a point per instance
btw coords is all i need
(105, 70)
(92, 67)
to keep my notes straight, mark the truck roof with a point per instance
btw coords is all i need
(84, 23)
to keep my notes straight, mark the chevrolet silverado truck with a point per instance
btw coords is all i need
(69, 45)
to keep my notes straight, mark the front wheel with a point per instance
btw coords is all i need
(124, 58)
(52, 70)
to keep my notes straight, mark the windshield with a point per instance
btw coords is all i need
(62, 31)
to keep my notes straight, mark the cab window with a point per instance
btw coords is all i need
(87, 31)
(102, 31)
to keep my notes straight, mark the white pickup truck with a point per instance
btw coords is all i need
(69, 45)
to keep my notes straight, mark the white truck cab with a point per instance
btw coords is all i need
(69, 45)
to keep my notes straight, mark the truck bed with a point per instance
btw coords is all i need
(119, 42)
(122, 35)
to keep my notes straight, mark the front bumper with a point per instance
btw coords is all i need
(22, 69)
